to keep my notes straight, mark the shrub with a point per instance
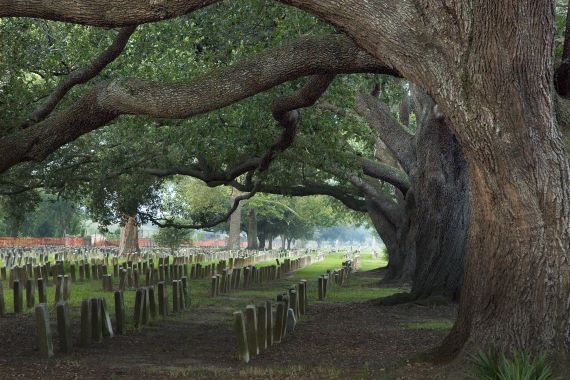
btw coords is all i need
(494, 365)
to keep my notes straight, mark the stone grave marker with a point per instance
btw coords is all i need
(44, 337)
(86, 324)
(64, 327)
(251, 329)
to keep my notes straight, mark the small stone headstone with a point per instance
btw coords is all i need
(138, 308)
(64, 327)
(291, 321)
(30, 293)
(279, 322)
(241, 336)
(152, 301)
(96, 329)
(18, 299)
(251, 329)
(86, 324)
(120, 312)
(43, 331)
(262, 327)
(107, 327)
(66, 288)
(42, 298)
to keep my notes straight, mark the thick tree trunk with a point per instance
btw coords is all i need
(399, 242)
(261, 236)
(270, 242)
(235, 227)
(440, 184)
(517, 275)
(252, 230)
(129, 237)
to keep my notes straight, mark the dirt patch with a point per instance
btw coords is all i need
(337, 341)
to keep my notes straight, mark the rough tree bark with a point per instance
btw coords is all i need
(129, 236)
(399, 241)
(235, 227)
(252, 230)
(440, 185)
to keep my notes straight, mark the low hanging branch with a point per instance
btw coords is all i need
(107, 100)
(396, 137)
(82, 75)
(286, 112)
(169, 223)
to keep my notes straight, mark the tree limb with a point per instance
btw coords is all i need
(387, 173)
(396, 137)
(343, 194)
(171, 223)
(101, 12)
(82, 75)
(286, 112)
(109, 99)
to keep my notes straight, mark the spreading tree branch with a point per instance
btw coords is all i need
(109, 99)
(172, 224)
(387, 173)
(396, 137)
(101, 12)
(82, 75)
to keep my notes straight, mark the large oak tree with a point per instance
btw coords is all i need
(488, 66)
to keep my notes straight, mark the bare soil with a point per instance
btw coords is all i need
(334, 341)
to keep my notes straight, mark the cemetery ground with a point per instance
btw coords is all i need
(346, 336)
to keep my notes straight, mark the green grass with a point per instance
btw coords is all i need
(442, 324)
(219, 309)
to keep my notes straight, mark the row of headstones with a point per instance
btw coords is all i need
(230, 279)
(264, 326)
(62, 293)
(146, 304)
(23, 273)
(336, 277)
(96, 321)
(129, 277)
(199, 271)
(95, 324)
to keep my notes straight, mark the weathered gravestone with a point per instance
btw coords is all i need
(120, 312)
(251, 328)
(64, 327)
(96, 328)
(262, 327)
(44, 338)
(279, 322)
(291, 321)
(139, 300)
(30, 293)
(241, 337)
(107, 327)
(86, 324)
(18, 299)
(42, 298)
